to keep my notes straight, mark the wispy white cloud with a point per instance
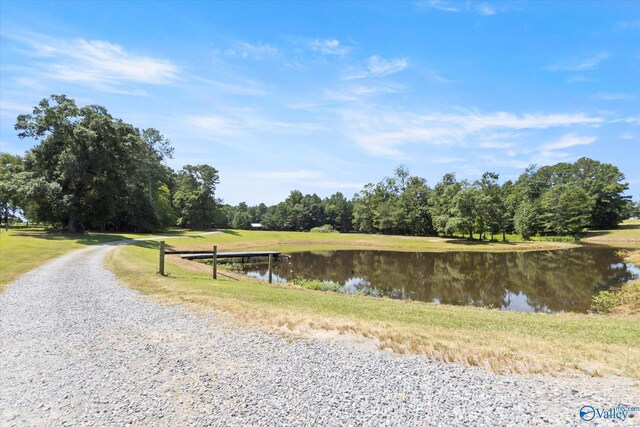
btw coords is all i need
(578, 79)
(381, 67)
(244, 124)
(437, 76)
(217, 125)
(550, 156)
(246, 50)
(376, 67)
(494, 145)
(578, 64)
(569, 140)
(502, 162)
(384, 133)
(486, 9)
(101, 61)
(329, 47)
(449, 6)
(445, 6)
(101, 64)
(357, 93)
(240, 88)
(11, 107)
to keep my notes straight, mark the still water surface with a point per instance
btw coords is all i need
(549, 281)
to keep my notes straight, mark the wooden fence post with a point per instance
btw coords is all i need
(270, 268)
(162, 258)
(215, 262)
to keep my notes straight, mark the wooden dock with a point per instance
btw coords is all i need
(243, 255)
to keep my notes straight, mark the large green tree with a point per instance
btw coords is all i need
(89, 169)
(10, 169)
(195, 201)
(567, 209)
(443, 208)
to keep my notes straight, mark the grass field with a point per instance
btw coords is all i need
(22, 248)
(627, 235)
(289, 241)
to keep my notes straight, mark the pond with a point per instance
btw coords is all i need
(547, 281)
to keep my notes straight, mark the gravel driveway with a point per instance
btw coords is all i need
(79, 349)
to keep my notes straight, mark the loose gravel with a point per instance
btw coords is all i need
(79, 349)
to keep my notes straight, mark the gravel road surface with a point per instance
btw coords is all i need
(79, 349)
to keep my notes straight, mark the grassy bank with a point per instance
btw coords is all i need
(286, 241)
(626, 300)
(501, 341)
(628, 297)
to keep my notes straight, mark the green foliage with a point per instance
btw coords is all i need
(396, 205)
(90, 170)
(605, 301)
(10, 168)
(567, 209)
(327, 228)
(241, 220)
(162, 206)
(195, 196)
(300, 212)
(442, 207)
(602, 183)
(632, 210)
(319, 285)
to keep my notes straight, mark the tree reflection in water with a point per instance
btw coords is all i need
(551, 281)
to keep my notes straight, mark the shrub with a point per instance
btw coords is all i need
(324, 229)
(319, 285)
(605, 301)
(629, 297)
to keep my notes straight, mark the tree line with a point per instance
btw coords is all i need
(563, 199)
(90, 170)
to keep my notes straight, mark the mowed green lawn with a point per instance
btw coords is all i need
(22, 249)
(627, 235)
(291, 241)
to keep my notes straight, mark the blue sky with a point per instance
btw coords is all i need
(328, 96)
